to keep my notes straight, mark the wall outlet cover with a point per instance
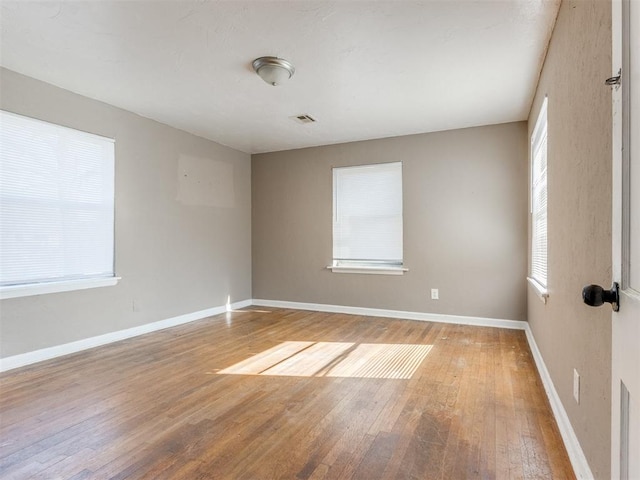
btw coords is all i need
(576, 386)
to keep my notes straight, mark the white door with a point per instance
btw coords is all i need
(625, 403)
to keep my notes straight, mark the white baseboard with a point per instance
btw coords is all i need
(28, 358)
(574, 450)
(377, 312)
(571, 443)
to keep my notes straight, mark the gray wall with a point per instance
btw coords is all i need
(465, 224)
(177, 251)
(569, 334)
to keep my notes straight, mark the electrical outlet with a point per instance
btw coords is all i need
(434, 294)
(576, 386)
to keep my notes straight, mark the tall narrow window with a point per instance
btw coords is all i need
(539, 199)
(56, 206)
(367, 217)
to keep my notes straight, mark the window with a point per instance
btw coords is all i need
(56, 208)
(539, 201)
(367, 219)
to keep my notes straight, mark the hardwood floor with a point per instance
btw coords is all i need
(158, 407)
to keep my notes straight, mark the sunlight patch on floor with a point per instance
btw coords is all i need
(335, 359)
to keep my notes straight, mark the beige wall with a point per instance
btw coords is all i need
(465, 223)
(569, 334)
(175, 254)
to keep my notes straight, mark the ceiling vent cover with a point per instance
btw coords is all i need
(304, 118)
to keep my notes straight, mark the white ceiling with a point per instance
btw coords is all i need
(364, 69)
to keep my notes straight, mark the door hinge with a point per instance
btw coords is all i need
(614, 81)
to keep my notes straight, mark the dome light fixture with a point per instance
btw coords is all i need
(273, 70)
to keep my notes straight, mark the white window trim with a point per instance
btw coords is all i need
(377, 270)
(373, 267)
(540, 291)
(30, 289)
(61, 284)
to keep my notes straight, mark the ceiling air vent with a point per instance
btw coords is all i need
(304, 118)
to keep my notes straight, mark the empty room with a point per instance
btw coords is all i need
(319, 239)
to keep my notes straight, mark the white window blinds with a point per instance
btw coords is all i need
(539, 199)
(367, 215)
(56, 203)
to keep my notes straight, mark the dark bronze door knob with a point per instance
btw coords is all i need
(595, 295)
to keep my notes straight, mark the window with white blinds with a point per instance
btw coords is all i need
(367, 215)
(56, 203)
(539, 199)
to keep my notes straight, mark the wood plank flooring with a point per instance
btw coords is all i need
(156, 406)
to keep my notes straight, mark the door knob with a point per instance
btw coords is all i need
(595, 295)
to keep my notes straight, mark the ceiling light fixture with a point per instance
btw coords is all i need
(273, 70)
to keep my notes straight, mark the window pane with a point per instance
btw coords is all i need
(368, 214)
(56, 202)
(539, 199)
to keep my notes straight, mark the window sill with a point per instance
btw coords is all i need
(541, 291)
(368, 270)
(15, 291)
